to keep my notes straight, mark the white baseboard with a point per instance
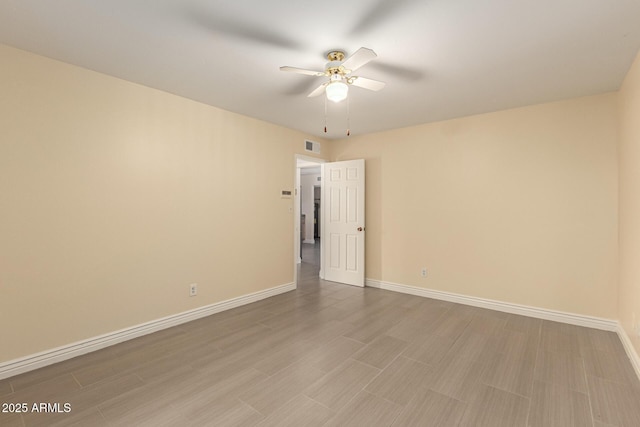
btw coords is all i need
(630, 349)
(539, 313)
(49, 357)
(309, 241)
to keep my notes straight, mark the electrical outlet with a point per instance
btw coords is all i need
(423, 273)
(193, 289)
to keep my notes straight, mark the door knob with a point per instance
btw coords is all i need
(360, 228)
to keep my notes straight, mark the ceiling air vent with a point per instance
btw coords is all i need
(314, 147)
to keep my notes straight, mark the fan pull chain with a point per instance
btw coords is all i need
(348, 118)
(325, 114)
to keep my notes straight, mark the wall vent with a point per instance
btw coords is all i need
(314, 147)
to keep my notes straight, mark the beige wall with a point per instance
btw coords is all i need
(114, 197)
(629, 161)
(517, 206)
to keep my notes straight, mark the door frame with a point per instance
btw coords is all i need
(296, 212)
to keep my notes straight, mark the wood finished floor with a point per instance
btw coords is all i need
(333, 355)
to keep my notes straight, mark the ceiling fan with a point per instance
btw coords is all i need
(339, 72)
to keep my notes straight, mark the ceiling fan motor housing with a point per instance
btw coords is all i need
(334, 67)
(335, 55)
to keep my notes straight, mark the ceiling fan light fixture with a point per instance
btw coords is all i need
(337, 91)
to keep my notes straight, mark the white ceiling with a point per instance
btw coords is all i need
(440, 58)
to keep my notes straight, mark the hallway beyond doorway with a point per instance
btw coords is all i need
(310, 265)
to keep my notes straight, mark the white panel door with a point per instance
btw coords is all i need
(343, 235)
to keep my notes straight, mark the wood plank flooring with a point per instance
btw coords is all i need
(332, 355)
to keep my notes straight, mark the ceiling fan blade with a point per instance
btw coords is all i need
(359, 58)
(367, 83)
(302, 71)
(214, 23)
(381, 11)
(318, 91)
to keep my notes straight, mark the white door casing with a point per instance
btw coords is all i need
(343, 231)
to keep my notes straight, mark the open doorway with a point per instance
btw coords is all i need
(341, 258)
(307, 216)
(310, 242)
